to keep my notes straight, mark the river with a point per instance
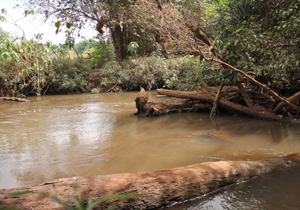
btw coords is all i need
(92, 134)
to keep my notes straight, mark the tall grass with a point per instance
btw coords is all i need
(29, 67)
(32, 68)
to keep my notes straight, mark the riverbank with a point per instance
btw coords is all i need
(65, 76)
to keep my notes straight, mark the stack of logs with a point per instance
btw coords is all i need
(208, 99)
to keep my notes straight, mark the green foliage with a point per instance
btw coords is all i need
(132, 47)
(86, 46)
(95, 90)
(28, 67)
(156, 72)
(124, 27)
(28, 12)
(102, 53)
(259, 37)
(80, 205)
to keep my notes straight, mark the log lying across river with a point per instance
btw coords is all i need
(167, 186)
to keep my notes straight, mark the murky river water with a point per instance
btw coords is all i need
(85, 135)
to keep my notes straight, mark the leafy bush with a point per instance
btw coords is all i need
(259, 37)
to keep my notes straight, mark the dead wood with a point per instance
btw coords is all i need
(263, 86)
(232, 96)
(291, 99)
(166, 186)
(215, 105)
(205, 96)
(244, 93)
(14, 99)
(263, 94)
(156, 108)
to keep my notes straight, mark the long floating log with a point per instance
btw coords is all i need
(229, 106)
(166, 186)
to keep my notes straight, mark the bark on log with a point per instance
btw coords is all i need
(229, 106)
(215, 105)
(291, 99)
(156, 108)
(244, 93)
(167, 186)
(14, 99)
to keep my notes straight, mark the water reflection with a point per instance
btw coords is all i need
(85, 135)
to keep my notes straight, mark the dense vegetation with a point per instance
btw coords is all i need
(259, 37)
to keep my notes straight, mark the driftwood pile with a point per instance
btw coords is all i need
(236, 100)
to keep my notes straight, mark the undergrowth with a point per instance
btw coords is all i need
(32, 68)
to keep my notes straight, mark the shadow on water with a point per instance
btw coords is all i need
(86, 135)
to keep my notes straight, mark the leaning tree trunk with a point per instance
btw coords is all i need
(165, 186)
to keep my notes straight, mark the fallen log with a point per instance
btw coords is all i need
(205, 96)
(166, 186)
(291, 99)
(14, 99)
(157, 108)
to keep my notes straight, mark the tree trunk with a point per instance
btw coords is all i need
(120, 40)
(166, 186)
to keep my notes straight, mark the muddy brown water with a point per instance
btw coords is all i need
(92, 134)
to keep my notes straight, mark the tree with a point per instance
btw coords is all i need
(115, 15)
(180, 32)
(259, 37)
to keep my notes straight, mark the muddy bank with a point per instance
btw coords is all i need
(167, 186)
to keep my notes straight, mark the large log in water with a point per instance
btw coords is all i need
(156, 108)
(167, 186)
(205, 96)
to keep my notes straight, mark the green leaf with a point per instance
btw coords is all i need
(76, 202)
(4, 11)
(2, 18)
(68, 25)
(132, 47)
(57, 24)
(15, 55)
(5, 55)
(28, 12)
(24, 71)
